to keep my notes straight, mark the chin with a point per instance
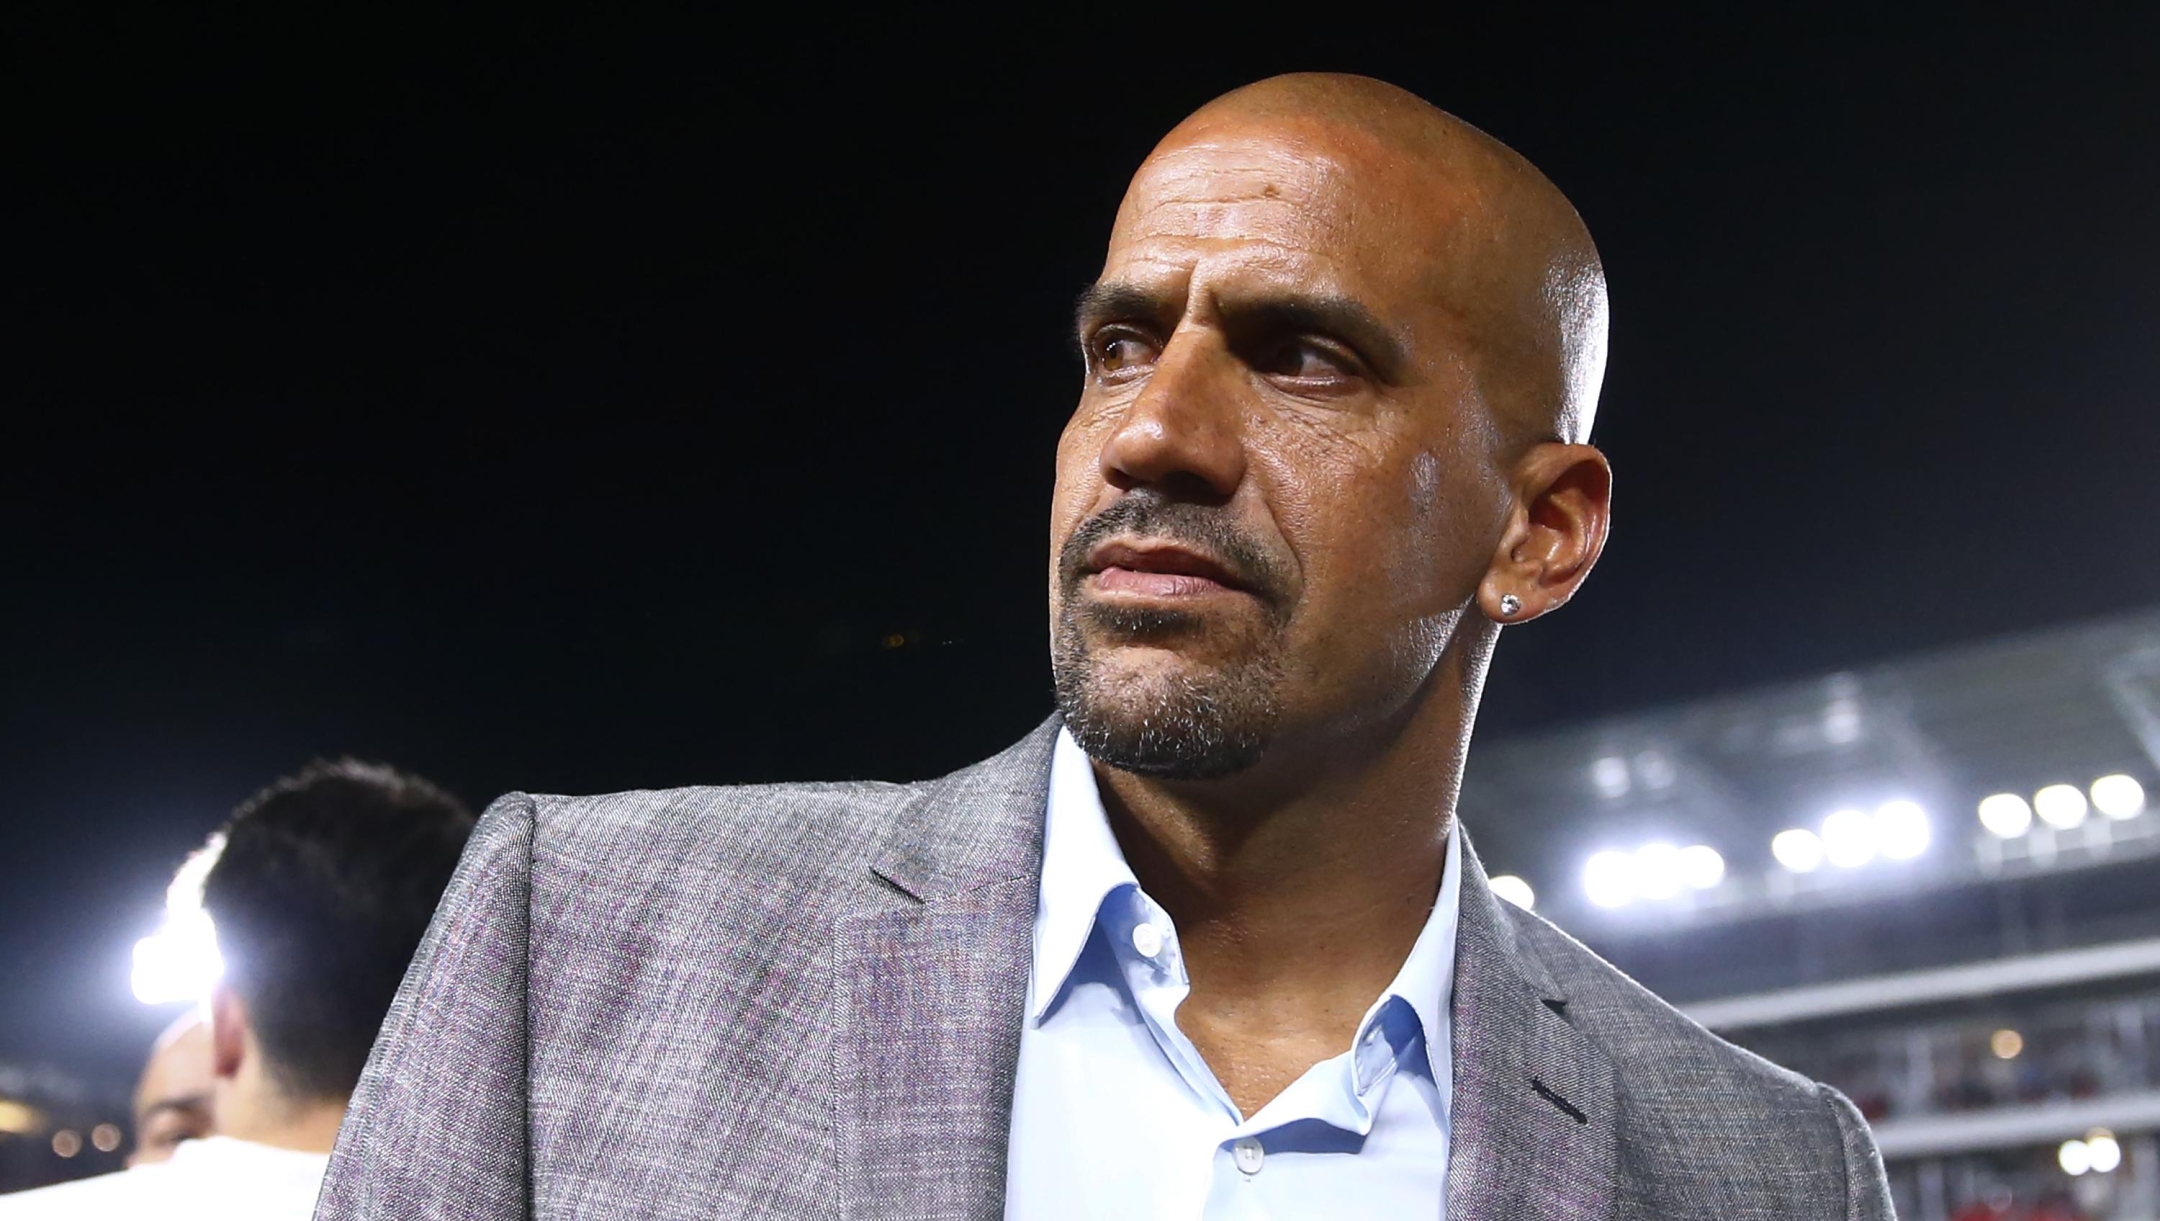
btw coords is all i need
(1155, 710)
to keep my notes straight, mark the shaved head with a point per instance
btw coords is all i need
(1504, 251)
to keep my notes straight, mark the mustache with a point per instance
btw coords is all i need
(1208, 530)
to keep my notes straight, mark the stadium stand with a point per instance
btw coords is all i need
(1931, 883)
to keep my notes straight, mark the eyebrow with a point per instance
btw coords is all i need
(1338, 317)
(1100, 303)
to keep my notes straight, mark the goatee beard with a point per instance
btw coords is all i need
(1185, 724)
(1176, 726)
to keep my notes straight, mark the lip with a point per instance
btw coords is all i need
(1161, 569)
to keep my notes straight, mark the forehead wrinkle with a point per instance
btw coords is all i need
(1250, 270)
(1188, 158)
(1272, 222)
(1192, 250)
(1215, 180)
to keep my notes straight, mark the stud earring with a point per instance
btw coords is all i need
(1510, 606)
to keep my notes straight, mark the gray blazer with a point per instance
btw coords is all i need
(804, 1000)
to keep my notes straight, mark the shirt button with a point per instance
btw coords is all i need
(1147, 939)
(1248, 1154)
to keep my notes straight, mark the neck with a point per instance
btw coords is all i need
(258, 1112)
(1299, 887)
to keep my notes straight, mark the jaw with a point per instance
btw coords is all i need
(1164, 707)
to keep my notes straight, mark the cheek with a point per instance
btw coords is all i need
(1079, 480)
(1450, 524)
(1319, 479)
(1345, 498)
(1389, 539)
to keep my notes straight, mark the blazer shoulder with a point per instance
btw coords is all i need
(782, 832)
(1654, 1046)
(781, 827)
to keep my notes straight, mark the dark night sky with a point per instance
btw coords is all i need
(578, 409)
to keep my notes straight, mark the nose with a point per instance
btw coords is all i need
(1181, 436)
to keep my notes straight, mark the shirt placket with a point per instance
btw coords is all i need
(1147, 944)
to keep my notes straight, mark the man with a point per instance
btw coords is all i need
(322, 887)
(1209, 944)
(172, 1101)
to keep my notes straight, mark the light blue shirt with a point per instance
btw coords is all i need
(1116, 1115)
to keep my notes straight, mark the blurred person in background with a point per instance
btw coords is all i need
(172, 1101)
(324, 883)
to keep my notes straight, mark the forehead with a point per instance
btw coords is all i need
(179, 1069)
(1330, 210)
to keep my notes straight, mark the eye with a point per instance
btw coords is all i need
(1307, 361)
(1120, 354)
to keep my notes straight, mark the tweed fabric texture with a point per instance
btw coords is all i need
(802, 1001)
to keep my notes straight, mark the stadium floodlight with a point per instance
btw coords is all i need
(2118, 796)
(2005, 815)
(1797, 849)
(1609, 878)
(1848, 839)
(1701, 867)
(1901, 830)
(1841, 722)
(180, 961)
(1655, 770)
(1609, 776)
(2075, 1157)
(2102, 1150)
(1657, 870)
(2061, 806)
(19, 1118)
(1514, 890)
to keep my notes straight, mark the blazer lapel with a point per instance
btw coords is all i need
(1533, 1131)
(930, 988)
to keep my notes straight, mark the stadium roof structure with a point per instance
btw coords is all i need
(1919, 742)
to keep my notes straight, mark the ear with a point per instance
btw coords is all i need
(228, 1032)
(1554, 534)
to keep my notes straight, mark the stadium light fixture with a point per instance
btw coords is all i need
(1514, 890)
(1657, 871)
(1798, 849)
(2074, 1157)
(19, 1118)
(1655, 770)
(2102, 1150)
(1701, 867)
(1609, 776)
(2005, 815)
(2061, 806)
(180, 961)
(1848, 839)
(2118, 796)
(1841, 722)
(1609, 878)
(1901, 830)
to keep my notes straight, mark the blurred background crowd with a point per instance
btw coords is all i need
(574, 410)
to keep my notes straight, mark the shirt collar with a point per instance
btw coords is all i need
(1082, 865)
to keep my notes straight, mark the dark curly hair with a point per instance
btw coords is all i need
(323, 888)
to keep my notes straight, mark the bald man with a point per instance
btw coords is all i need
(1209, 943)
(173, 1099)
